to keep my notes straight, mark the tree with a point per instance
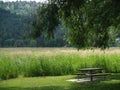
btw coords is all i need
(45, 21)
(87, 21)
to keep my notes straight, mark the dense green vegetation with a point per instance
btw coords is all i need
(54, 62)
(15, 26)
(88, 22)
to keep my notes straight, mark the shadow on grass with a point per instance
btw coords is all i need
(39, 88)
(96, 86)
(75, 86)
(111, 83)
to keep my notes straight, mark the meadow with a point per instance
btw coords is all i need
(35, 62)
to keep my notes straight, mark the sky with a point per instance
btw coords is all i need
(25, 0)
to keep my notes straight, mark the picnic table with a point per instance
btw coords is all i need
(91, 72)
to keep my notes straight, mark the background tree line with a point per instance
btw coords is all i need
(15, 26)
(52, 19)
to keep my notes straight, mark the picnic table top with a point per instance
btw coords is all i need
(90, 69)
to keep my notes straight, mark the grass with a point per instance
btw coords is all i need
(32, 62)
(58, 83)
(49, 68)
(36, 83)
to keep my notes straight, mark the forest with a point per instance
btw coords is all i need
(15, 26)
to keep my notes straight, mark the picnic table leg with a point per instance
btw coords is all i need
(78, 77)
(91, 77)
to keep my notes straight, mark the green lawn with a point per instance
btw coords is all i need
(59, 83)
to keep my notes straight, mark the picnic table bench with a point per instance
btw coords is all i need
(90, 72)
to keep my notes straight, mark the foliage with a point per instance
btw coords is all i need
(46, 21)
(15, 26)
(13, 19)
(54, 61)
(87, 21)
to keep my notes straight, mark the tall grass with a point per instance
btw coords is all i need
(52, 62)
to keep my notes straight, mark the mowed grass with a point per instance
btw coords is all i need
(36, 82)
(32, 62)
(59, 83)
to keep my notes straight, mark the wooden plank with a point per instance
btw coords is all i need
(80, 74)
(98, 74)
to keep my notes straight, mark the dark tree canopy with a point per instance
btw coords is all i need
(88, 21)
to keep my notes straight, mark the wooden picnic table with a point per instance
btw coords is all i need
(89, 72)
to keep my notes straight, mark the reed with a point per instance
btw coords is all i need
(31, 62)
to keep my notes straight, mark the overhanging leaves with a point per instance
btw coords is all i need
(87, 21)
